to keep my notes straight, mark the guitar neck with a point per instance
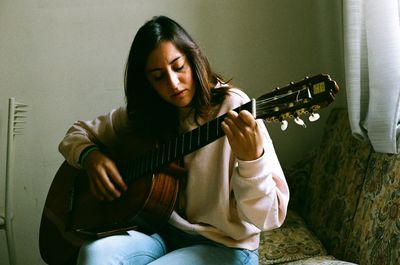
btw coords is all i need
(291, 101)
(183, 144)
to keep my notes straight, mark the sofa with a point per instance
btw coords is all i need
(344, 206)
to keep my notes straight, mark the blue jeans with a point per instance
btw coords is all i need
(171, 247)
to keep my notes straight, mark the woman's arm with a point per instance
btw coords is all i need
(80, 147)
(258, 182)
(260, 187)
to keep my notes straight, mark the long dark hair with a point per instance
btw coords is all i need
(147, 111)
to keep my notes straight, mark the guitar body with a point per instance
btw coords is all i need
(72, 215)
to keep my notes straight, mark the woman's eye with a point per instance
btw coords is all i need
(158, 77)
(180, 68)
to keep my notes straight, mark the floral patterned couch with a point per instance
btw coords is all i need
(344, 206)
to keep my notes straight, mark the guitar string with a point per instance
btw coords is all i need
(274, 98)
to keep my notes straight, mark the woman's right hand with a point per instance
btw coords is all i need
(105, 180)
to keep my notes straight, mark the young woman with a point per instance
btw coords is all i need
(235, 187)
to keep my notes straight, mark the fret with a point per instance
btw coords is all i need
(186, 143)
(160, 156)
(156, 156)
(165, 153)
(182, 143)
(169, 151)
(133, 168)
(149, 160)
(213, 129)
(141, 165)
(153, 159)
(208, 129)
(137, 166)
(217, 125)
(198, 130)
(146, 163)
(126, 174)
(195, 139)
(136, 170)
(204, 135)
(176, 147)
(190, 140)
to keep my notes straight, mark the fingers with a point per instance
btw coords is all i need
(98, 190)
(105, 181)
(247, 118)
(105, 185)
(238, 125)
(116, 178)
(243, 135)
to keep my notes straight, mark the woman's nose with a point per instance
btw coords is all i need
(173, 80)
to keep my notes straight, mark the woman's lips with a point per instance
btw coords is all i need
(179, 93)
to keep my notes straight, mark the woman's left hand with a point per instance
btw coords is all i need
(244, 135)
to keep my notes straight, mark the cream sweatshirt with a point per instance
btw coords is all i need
(227, 200)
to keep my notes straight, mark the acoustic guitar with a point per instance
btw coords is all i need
(72, 215)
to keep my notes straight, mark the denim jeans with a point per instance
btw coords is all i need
(170, 247)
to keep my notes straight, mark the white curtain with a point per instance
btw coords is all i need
(372, 65)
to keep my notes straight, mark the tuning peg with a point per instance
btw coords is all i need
(300, 122)
(313, 117)
(284, 125)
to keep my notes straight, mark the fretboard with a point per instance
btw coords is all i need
(176, 147)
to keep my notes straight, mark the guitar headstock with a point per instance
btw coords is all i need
(296, 99)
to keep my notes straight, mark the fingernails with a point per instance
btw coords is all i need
(232, 113)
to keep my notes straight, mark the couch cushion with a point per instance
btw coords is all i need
(292, 241)
(375, 238)
(334, 186)
(321, 260)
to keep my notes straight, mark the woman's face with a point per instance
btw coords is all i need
(170, 74)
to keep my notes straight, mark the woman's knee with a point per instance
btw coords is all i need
(134, 248)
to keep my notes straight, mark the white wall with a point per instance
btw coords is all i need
(66, 60)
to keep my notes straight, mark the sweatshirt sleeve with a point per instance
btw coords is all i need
(101, 131)
(260, 187)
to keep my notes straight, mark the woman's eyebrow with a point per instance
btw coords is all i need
(159, 68)
(176, 59)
